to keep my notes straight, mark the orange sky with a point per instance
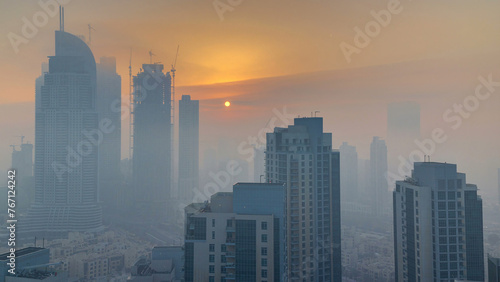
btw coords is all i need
(258, 38)
(431, 52)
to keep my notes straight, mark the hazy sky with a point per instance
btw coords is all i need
(431, 52)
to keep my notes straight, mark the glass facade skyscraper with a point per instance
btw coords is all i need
(66, 158)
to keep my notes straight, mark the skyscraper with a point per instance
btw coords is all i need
(152, 143)
(189, 142)
(379, 190)
(238, 236)
(66, 152)
(438, 226)
(348, 172)
(301, 156)
(493, 269)
(499, 186)
(403, 127)
(108, 108)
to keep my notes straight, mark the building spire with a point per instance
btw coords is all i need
(61, 18)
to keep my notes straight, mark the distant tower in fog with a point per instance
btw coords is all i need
(108, 108)
(348, 172)
(189, 143)
(378, 170)
(66, 160)
(152, 143)
(403, 127)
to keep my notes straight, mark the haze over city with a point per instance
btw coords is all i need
(254, 66)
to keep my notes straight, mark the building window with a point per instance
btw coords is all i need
(264, 273)
(263, 238)
(211, 269)
(223, 248)
(263, 225)
(211, 279)
(263, 251)
(213, 222)
(263, 262)
(213, 234)
(212, 248)
(211, 258)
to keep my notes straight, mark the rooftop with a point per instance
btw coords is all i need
(21, 252)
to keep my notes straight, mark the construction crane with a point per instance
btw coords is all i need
(131, 110)
(173, 84)
(173, 109)
(90, 33)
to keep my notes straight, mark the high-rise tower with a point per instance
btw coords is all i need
(152, 143)
(189, 142)
(438, 226)
(301, 156)
(109, 110)
(66, 151)
(348, 172)
(403, 127)
(379, 190)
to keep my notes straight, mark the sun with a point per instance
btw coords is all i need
(227, 104)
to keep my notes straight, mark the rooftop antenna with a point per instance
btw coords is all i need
(151, 56)
(61, 18)
(22, 138)
(315, 112)
(90, 33)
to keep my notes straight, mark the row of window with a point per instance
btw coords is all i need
(223, 248)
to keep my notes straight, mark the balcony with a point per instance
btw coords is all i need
(230, 241)
(230, 229)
